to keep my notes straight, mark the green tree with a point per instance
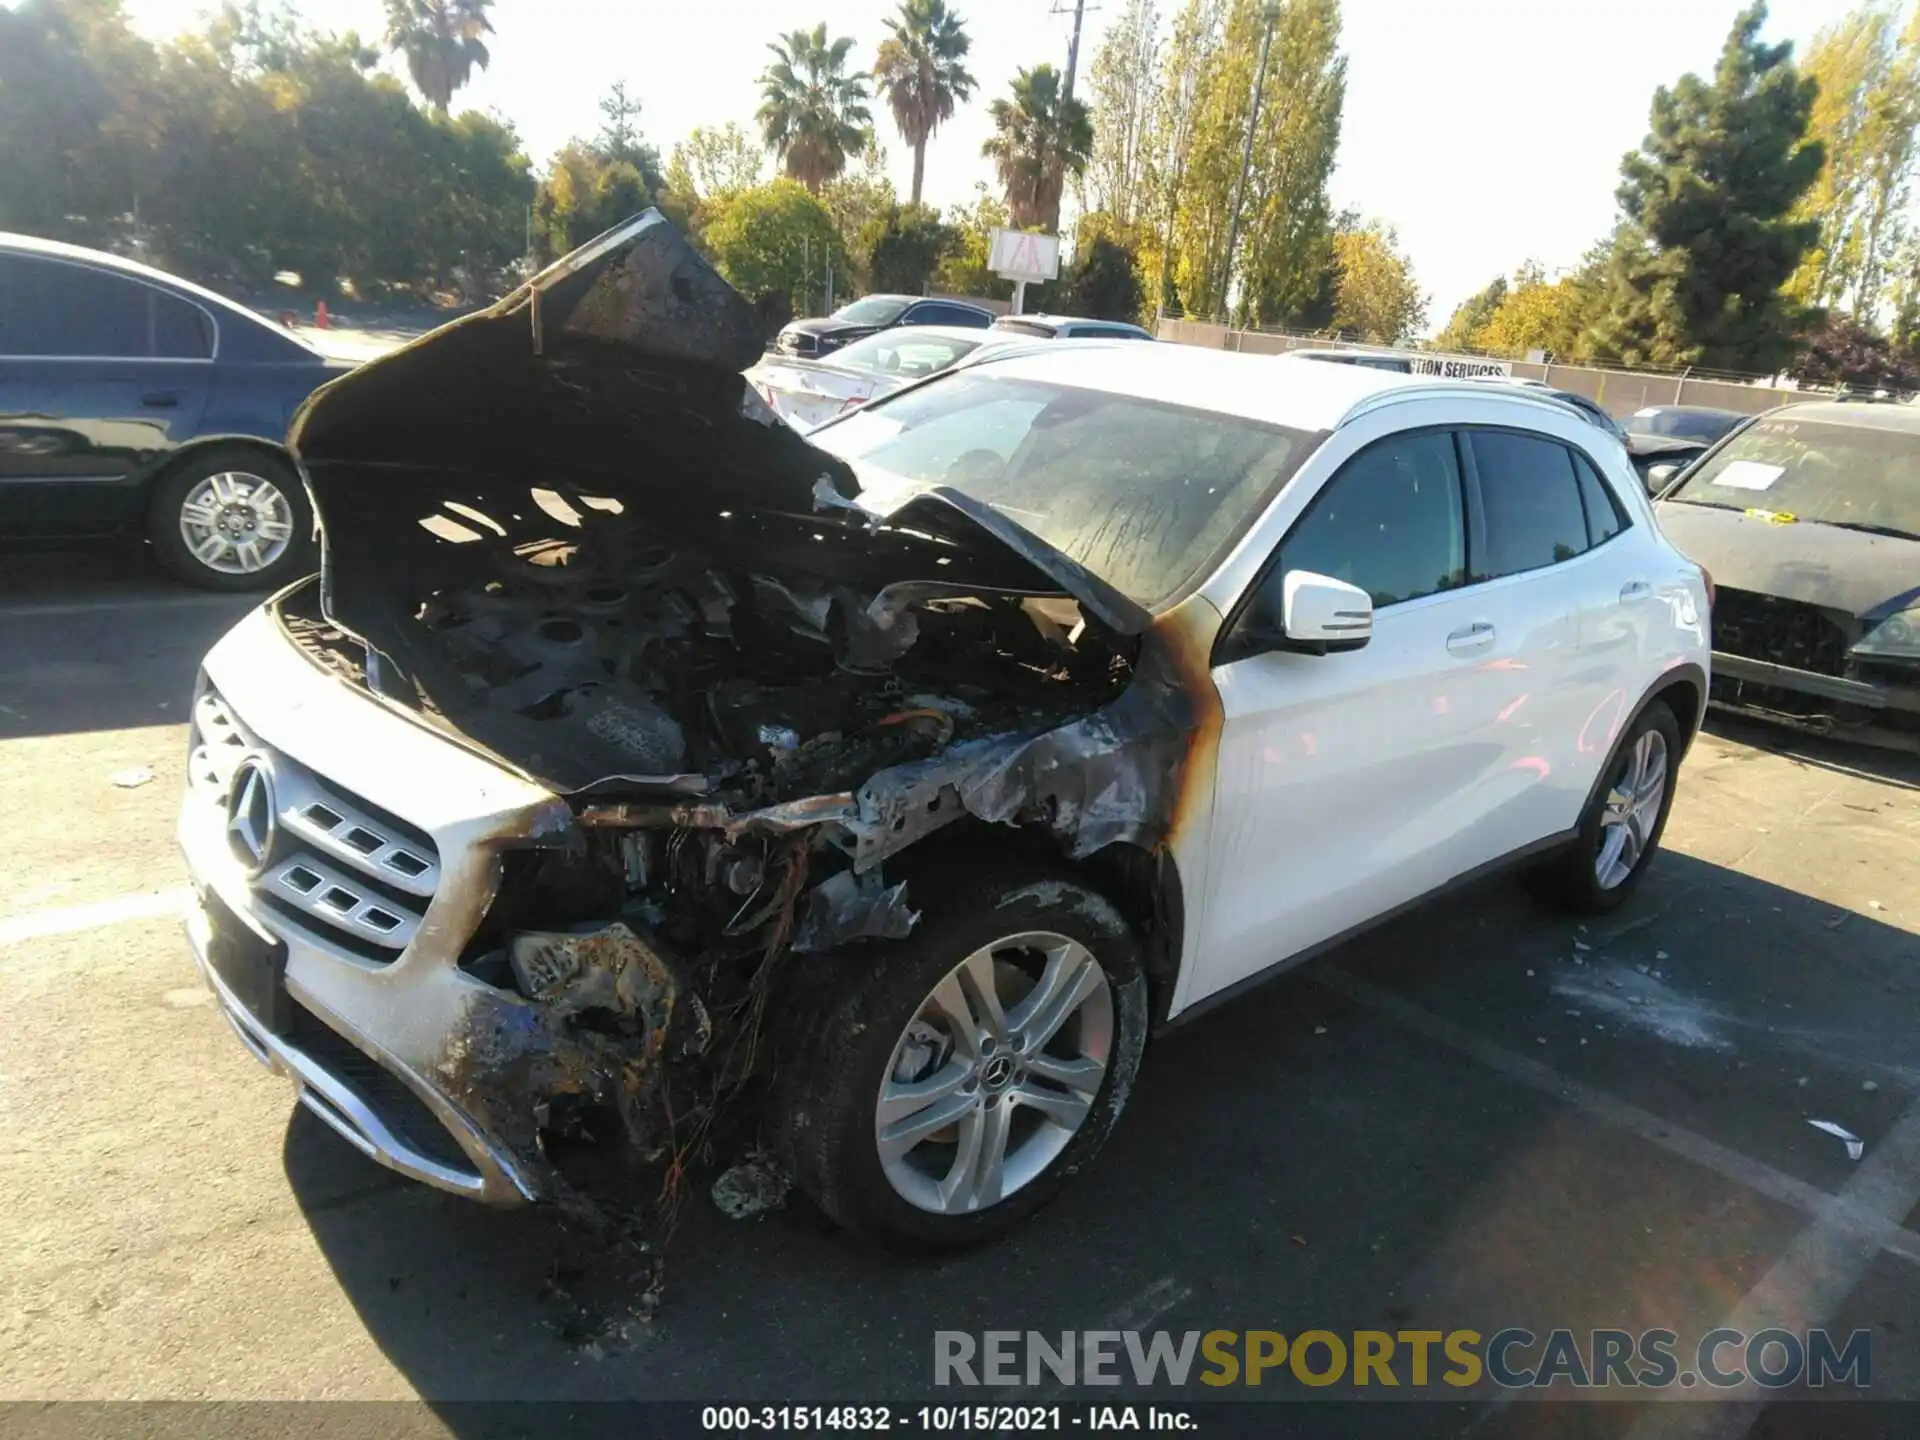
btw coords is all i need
(859, 200)
(441, 42)
(1470, 314)
(1709, 202)
(1286, 227)
(711, 164)
(777, 239)
(1378, 300)
(1536, 314)
(1125, 80)
(1041, 137)
(813, 114)
(592, 185)
(1191, 54)
(920, 73)
(1104, 282)
(903, 251)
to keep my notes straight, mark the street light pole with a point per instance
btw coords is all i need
(1270, 13)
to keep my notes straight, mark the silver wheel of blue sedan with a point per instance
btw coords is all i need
(236, 523)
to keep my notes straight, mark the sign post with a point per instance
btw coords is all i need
(1021, 257)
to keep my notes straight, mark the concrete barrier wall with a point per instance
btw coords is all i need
(1619, 392)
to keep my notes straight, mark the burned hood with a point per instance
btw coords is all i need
(1838, 569)
(614, 376)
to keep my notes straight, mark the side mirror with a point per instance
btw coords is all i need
(1321, 616)
(1659, 475)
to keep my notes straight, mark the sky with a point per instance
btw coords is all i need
(1487, 132)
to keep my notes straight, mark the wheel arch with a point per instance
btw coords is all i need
(200, 445)
(1142, 882)
(1683, 690)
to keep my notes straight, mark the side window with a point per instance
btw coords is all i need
(1530, 499)
(71, 311)
(938, 314)
(1604, 517)
(180, 329)
(1390, 522)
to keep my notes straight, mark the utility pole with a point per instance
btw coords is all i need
(1270, 13)
(1073, 45)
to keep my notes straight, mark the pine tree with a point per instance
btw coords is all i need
(1708, 202)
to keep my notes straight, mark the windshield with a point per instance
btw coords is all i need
(1815, 471)
(908, 353)
(1145, 495)
(874, 310)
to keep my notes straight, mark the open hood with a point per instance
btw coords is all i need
(616, 372)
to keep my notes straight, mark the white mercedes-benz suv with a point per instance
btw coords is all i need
(638, 773)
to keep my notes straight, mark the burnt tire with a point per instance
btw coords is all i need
(880, 1039)
(1580, 878)
(232, 517)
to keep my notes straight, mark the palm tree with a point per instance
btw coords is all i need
(1043, 137)
(813, 115)
(441, 42)
(920, 73)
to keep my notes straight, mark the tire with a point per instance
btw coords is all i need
(270, 541)
(1608, 859)
(883, 1024)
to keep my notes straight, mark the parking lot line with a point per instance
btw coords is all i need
(1807, 1285)
(1854, 1212)
(70, 919)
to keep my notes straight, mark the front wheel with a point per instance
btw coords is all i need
(963, 1074)
(232, 519)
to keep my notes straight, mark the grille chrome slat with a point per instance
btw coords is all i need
(339, 866)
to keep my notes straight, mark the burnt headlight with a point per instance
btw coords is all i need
(1896, 637)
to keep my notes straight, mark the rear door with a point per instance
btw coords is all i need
(101, 376)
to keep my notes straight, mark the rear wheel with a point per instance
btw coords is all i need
(1624, 820)
(232, 519)
(963, 1074)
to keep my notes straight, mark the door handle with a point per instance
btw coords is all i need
(161, 400)
(1471, 639)
(1635, 590)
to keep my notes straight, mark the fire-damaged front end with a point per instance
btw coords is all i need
(611, 719)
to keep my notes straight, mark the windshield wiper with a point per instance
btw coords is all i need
(1866, 527)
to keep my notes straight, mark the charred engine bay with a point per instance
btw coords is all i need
(566, 532)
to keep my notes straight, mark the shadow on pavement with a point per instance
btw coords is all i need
(1299, 1160)
(1835, 753)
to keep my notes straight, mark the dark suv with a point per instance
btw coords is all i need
(132, 401)
(873, 313)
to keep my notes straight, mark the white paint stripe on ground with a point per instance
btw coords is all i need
(71, 919)
(150, 602)
(1805, 1288)
(1872, 1224)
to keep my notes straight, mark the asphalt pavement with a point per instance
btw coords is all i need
(1480, 1116)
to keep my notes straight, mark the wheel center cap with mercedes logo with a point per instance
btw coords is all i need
(251, 811)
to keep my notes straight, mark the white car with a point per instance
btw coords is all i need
(639, 755)
(807, 393)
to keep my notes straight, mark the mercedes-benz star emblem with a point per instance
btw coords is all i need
(251, 807)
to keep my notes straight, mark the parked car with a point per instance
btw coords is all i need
(806, 393)
(1366, 359)
(1069, 327)
(131, 400)
(632, 745)
(1591, 410)
(1684, 422)
(808, 338)
(1809, 518)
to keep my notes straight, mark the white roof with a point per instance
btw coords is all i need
(1302, 397)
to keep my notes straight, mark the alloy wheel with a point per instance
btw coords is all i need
(995, 1074)
(236, 523)
(1631, 810)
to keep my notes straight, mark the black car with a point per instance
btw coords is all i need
(132, 401)
(872, 313)
(1684, 422)
(1809, 522)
